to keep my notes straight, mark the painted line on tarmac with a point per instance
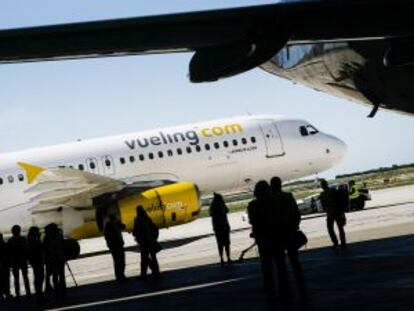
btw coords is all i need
(146, 295)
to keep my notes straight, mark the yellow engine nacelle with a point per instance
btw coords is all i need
(167, 206)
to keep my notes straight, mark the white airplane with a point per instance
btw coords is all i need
(77, 185)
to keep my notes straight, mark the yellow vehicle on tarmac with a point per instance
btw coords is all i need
(358, 195)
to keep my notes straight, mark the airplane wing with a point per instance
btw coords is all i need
(61, 187)
(226, 42)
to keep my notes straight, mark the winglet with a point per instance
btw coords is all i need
(32, 171)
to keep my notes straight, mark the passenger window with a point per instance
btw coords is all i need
(81, 167)
(160, 154)
(92, 165)
(303, 131)
(107, 163)
(122, 160)
(188, 149)
(131, 159)
(225, 143)
(169, 153)
(216, 145)
(179, 151)
(20, 177)
(253, 139)
(207, 147)
(150, 156)
(244, 141)
(197, 148)
(1, 181)
(235, 142)
(141, 157)
(10, 178)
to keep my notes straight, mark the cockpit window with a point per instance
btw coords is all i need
(311, 130)
(306, 130)
(303, 131)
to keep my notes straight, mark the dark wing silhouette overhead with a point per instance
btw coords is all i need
(225, 42)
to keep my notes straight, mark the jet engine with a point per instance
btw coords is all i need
(167, 206)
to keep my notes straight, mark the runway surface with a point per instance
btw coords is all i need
(376, 273)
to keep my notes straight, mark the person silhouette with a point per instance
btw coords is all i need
(146, 235)
(4, 270)
(35, 257)
(113, 235)
(257, 217)
(335, 213)
(17, 246)
(275, 218)
(284, 221)
(55, 259)
(218, 212)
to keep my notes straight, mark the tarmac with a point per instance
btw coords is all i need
(376, 272)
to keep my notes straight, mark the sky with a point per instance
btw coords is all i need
(54, 102)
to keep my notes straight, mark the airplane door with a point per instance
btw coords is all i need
(92, 165)
(273, 141)
(108, 165)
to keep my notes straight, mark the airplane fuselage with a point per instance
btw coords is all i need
(223, 155)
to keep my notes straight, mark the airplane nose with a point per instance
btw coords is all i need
(338, 149)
